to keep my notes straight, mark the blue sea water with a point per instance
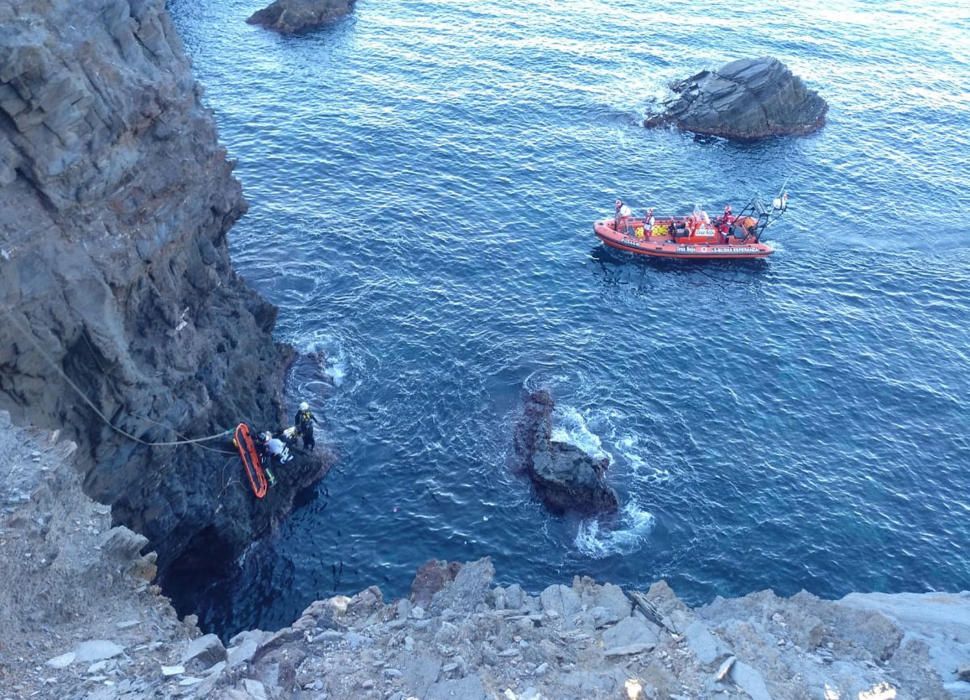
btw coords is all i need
(423, 177)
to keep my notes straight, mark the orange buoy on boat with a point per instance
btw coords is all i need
(243, 439)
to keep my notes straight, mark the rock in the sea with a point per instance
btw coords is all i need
(293, 16)
(566, 479)
(745, 99)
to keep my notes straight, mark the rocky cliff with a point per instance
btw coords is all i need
(123, 321)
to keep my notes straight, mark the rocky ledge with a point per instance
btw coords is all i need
(745, 99)
(295, 16)
(79, 617)
(122, 321)
(566, 479)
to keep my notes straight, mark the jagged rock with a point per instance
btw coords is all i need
(607, 603)
(431, 578)
(750, 681)
(469, 588)
(293, 16)
(515, 597)
(629, 631)
(702, 642)
(122, 545)
(744, 99)
(421, 673)
(244, 645)
(560, 601)
(207, 650)
(565, 478)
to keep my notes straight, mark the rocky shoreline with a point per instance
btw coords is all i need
(81, 618)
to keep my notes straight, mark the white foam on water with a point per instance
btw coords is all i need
(334, 363)
(629, 448)
(599, 542)
(569, 426)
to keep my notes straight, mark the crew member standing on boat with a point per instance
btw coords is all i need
(616, 214)
(724, 225)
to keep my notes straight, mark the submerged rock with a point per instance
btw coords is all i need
(566, 479)
(292, 16)
(745, 99)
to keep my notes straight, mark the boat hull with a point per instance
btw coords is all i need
(666, 247)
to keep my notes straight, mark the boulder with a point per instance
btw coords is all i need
(560, 601)
(746, 99)
(468, 590)
(565, 478)
(207, 651)
(631, 631)
(293, 16)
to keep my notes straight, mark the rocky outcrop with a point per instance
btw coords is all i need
(745, 99)
(123, 320)
(478, 641)
(294, 16)
(565, 478)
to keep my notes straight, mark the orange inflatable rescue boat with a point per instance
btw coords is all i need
(696, 236)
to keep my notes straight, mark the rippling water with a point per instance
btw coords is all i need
(423, 177)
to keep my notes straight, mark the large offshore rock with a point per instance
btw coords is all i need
(293, 16)
(565, 478)
(745, 99)
(121, 313)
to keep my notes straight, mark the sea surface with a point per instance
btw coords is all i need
(423, 177)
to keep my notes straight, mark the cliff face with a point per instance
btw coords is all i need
(115, 201)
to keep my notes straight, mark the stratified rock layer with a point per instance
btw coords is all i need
(294, 16)
(565, 478)
(115, 279)
(745, 99)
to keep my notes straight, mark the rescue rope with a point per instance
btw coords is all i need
(43, 353)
